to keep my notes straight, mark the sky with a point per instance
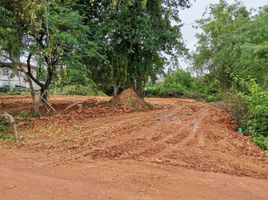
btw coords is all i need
(189, 16)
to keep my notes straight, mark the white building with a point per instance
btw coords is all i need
(10, 79)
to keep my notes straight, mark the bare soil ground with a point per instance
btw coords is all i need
(180, 149)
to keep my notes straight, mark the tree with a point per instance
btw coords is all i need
(233, 45)
(134, 36)
(53, 36)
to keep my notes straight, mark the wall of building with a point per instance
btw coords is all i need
(17, 80)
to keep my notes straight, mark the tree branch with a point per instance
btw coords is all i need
(29, 71)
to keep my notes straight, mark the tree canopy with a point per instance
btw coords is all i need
(118, 43)
(233, 44)
(49, 34)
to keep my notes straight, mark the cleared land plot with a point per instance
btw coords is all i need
(148, 152)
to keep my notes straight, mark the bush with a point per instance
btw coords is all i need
(166, 90)
(251, 111)
(78, 90)
(28, 116)
(239, 105)
(172, 90)
(258, 109)
(5, 133)
(3, 128)
(261, 141)
(181, 83)
(207, 88)
(177, 83)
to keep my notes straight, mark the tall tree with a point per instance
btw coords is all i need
(233, 44)
(134, 35)
(53, 35)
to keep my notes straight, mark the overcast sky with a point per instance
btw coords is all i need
(189, 16)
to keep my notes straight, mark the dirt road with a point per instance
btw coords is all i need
(120, 180)
(181, 149)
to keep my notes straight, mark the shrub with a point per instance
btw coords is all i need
(239, 105)
(251, 111)
(172, 90)
(258, 109)
(3, 128)
(261, 141)
(25, 115)
(5, 133)
(28, 116)
(78, 90)
(166, 90)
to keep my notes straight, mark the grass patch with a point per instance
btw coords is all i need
(28, 116)
(7, 138)
(261, 141)
(6, 134)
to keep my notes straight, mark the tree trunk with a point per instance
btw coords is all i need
(43, 95)
(116, 88)
(35, 103)
(140, 88)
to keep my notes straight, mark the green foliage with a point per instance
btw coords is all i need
(176, 83)
(251, 111)
(50, 32)
(25, 115)
(14, 92)
(7, 138)
(5, 133)
(258, 108)
(130, 36)
(231, 48)
(172, 90)
(181, 83)
(28, 116)
(205, 88)
(78, 90)
(233, 44)
(3, 128)
(261, 141)
(239, 105)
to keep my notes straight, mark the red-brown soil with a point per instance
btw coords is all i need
(16, 104)
(130, 101)
(181, 149)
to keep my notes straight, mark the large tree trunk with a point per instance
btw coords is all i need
(139, 87)
(116, 89)
(140, 90)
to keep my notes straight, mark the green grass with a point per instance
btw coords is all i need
(6, 133)
(7, 138)
(28, 116)
(261, 141)
(15, 93)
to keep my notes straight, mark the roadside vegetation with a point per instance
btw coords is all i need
(230, 64)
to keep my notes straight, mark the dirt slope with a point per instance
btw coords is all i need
(148, 151)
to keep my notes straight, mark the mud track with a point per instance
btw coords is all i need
(194, 140)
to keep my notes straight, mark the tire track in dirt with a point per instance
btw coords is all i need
(185, 133)
(131, 145)
(167, 143)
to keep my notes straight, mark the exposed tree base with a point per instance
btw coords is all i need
(130, 100)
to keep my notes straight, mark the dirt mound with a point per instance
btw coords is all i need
(129, 100)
